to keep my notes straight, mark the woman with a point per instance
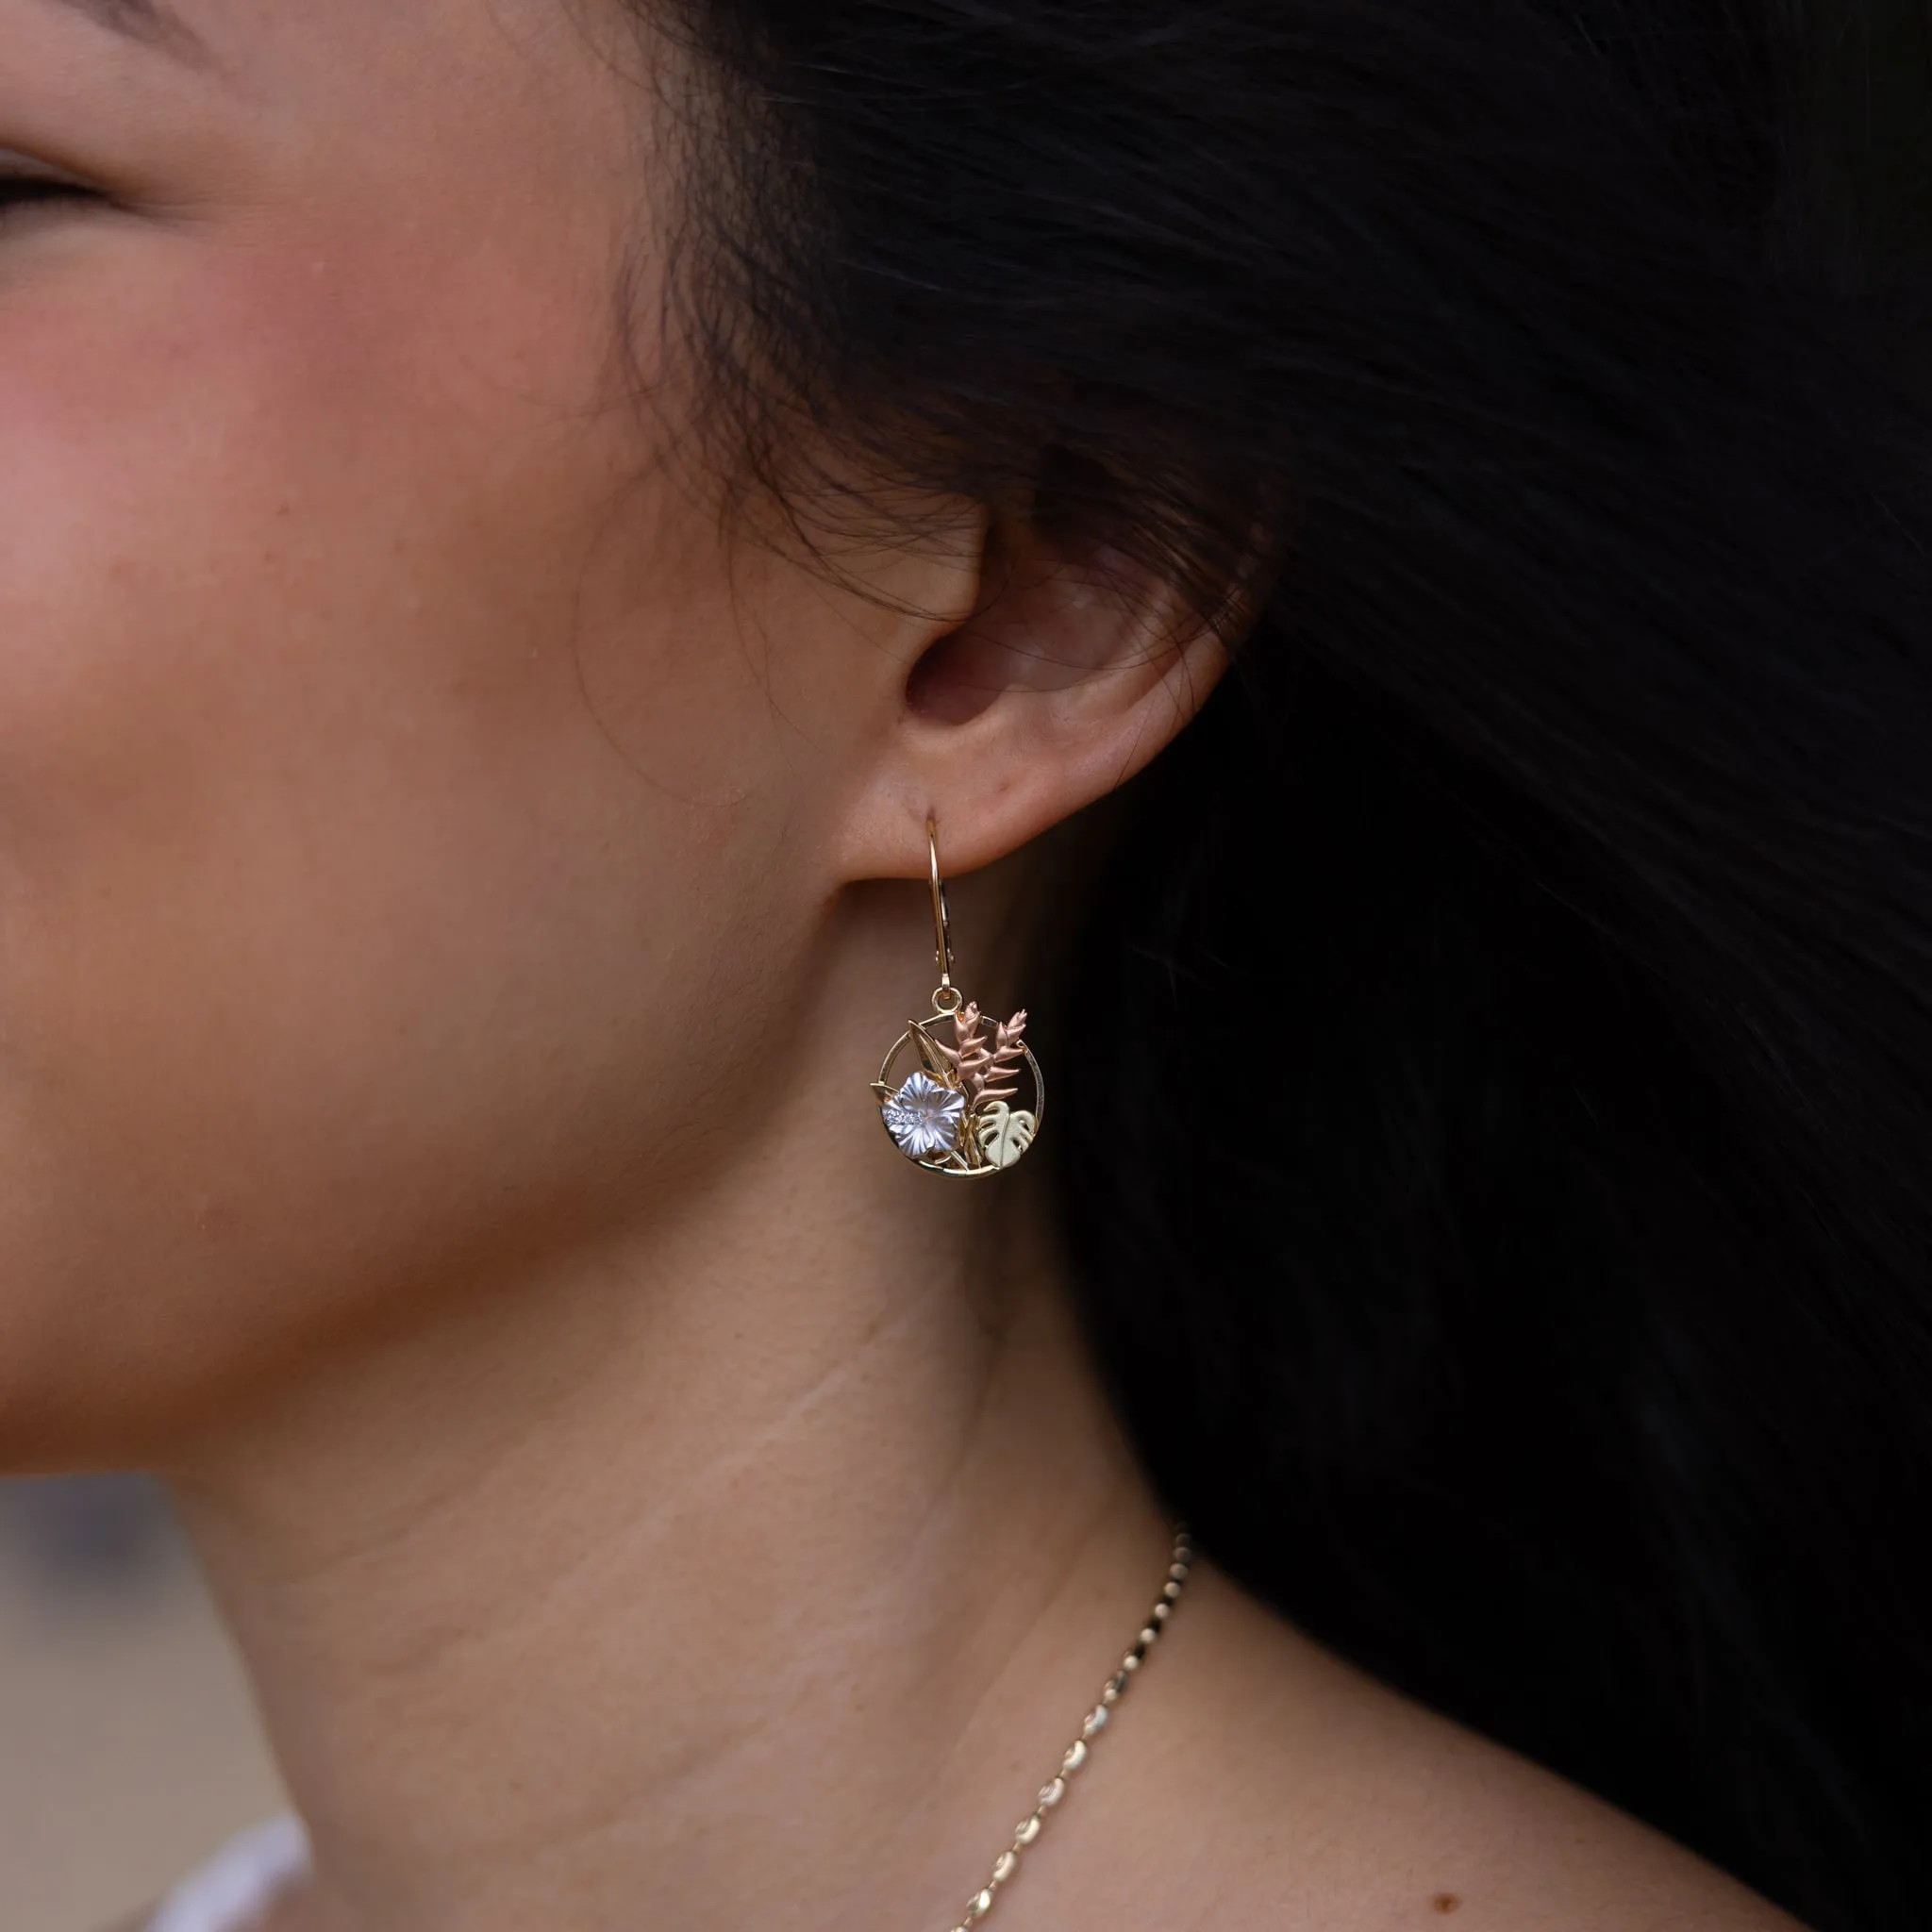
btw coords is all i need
(1381, 549)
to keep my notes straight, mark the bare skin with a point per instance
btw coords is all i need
(453, 896)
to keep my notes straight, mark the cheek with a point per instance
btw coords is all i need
(328, 911)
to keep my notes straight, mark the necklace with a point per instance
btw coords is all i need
(271, 1860)
(1097, 1721)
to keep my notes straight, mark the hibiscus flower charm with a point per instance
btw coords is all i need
(924, 1117)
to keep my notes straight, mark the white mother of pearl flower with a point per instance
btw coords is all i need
(924, 1117)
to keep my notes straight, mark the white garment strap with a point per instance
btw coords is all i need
(240, 1882)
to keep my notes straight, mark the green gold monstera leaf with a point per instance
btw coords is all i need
(1002, 1133)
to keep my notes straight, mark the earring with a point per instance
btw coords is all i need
(953, 1112)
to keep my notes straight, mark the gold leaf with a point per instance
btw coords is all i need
(940, 1061)
(1002, 1133)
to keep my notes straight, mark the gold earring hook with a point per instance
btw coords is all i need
(947, 997)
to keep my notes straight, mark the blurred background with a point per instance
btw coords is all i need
(128, 1747)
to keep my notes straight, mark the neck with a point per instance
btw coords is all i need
(748, 1570)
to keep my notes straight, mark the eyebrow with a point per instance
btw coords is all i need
(150, 21)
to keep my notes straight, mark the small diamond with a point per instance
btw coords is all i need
(924, 1117)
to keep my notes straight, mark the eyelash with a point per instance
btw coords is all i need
(24, 194)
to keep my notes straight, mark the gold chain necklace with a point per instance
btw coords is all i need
(1097, 1721)
(1051, 1793)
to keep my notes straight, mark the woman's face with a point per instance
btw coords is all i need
(390, 753)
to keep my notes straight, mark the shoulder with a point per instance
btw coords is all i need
(1337, 1803)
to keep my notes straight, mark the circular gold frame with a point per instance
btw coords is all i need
(956, 1164)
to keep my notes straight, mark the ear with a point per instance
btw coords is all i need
(1075, 667)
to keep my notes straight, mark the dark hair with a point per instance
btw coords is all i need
(1509, 1239)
